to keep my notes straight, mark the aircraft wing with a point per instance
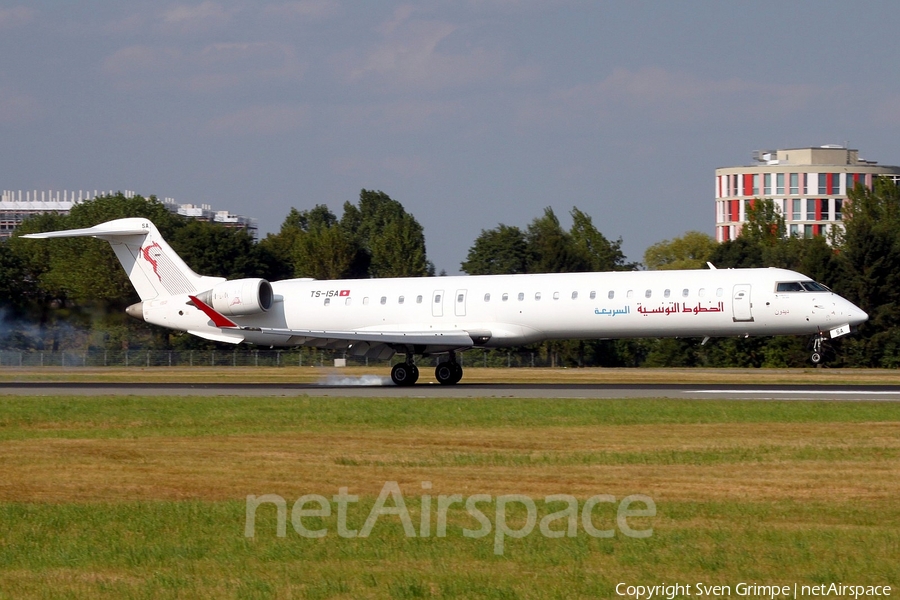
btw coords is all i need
(362, 339)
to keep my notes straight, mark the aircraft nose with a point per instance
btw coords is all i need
(855, 315)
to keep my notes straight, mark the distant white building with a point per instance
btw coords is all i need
(16, 206)
(809, 187)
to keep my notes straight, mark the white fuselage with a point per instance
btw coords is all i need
(510, 310)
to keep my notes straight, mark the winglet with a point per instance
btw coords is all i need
(218, 319)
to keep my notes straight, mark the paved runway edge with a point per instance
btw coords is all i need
(475, 390)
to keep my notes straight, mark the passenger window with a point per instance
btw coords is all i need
(630, 294)
(347, 301)
(418, 299)
(611, 294)
(537, 295)
(327, 301)
(460, 298)
(574, 295)
(437, 299)
(384, 299)
(556, 295)
(720, 292)
(400, 300)
(487, 297)
(504, 297)
(593, 294)
(702, 292)
(667, 293)
(647, 294)
(366, 300)
(684, 292)
(521, 295)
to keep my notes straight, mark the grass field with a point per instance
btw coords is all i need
(140, 497)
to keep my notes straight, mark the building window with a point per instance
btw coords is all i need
(756, 184)
(795, 184)
(795, 231)
(838, 205)
(779, 184)
(767, 184)
(810, 209)
(807, 231)
(795, 210)
(823, 183)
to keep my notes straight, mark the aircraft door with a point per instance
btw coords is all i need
(741, 305)
(460, 304)
(437, 303)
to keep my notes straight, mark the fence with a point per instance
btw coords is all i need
(246, 358)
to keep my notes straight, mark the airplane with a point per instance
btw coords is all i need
(378, 318)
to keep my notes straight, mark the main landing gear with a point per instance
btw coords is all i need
(407, 373)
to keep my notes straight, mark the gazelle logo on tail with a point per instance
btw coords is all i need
(152, 259)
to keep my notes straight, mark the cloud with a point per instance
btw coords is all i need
(260, 120)
(213, 67)
(15, 17)
(653, 94)
(185, 18)
(304, 9)
(421, 54)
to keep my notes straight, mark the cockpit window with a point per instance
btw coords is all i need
(812, 286)
(800, 286)
(789, 286)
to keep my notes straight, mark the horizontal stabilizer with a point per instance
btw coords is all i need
(97, 231)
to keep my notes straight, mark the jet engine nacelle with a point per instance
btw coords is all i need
(239, 297)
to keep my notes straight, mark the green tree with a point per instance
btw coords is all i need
(690, 251)
(870, 254)
(597, 252)
(499, 251)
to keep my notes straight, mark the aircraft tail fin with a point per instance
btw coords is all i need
(153, 267)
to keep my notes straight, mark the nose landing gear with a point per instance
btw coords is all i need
(819, 346)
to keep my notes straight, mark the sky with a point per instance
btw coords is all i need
(469, 113)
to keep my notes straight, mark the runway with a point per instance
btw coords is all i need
(376, 387)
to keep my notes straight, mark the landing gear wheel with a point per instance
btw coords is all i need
(448, 373)
(819, 345)
(404, 374)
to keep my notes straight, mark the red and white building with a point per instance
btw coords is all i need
(809, 187)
